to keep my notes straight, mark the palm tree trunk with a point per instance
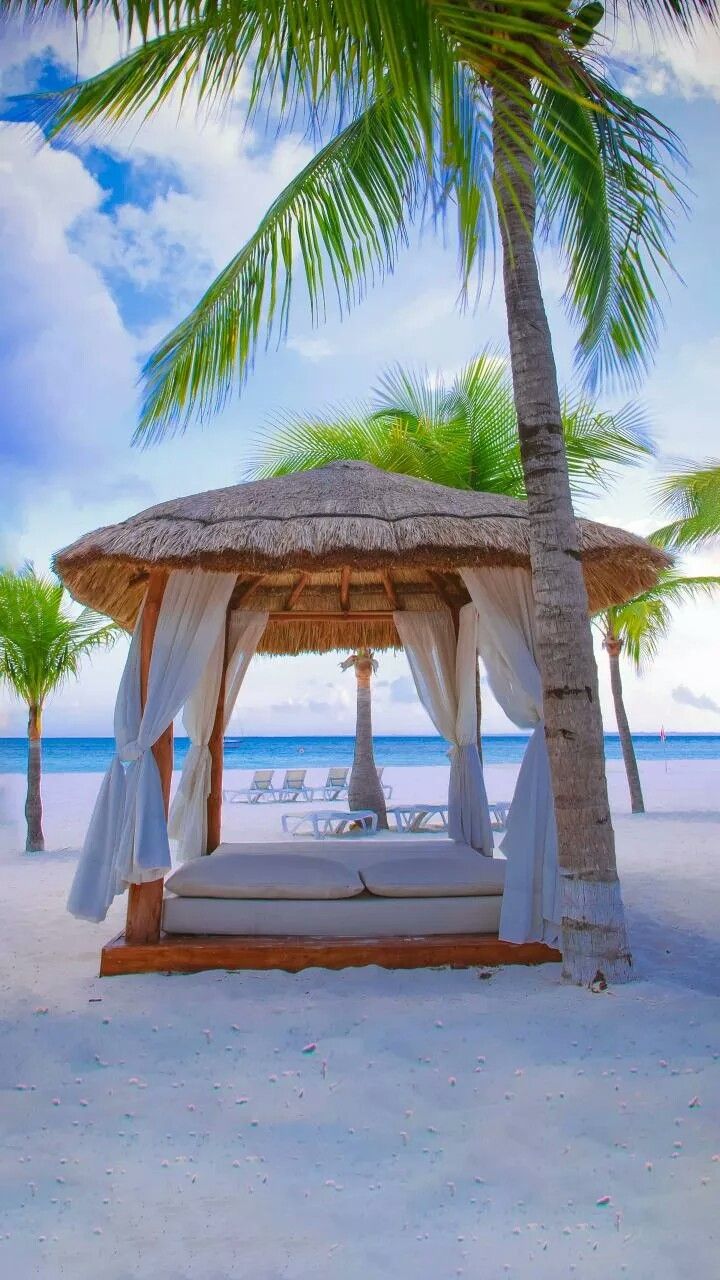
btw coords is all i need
(364, 789)
(614, 647)
(593, 924)
(35, 841)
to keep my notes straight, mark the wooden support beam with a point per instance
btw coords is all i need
(389, 588)
(297, 591)
(440, 586)
(144, 909)
(215, 746)
(245, 590)
(345, 588)
(317, 615)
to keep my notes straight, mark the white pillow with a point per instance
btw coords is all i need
(445, 877)
(243, 875)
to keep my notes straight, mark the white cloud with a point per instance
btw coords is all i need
(668, 64)
(312, 349)
(700, 701)
(68, 365)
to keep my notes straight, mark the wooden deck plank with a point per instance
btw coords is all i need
(188, 953)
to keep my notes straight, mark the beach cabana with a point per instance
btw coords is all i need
(338, 558)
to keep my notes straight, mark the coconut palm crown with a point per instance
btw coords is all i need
(41, 647)
(460, 432)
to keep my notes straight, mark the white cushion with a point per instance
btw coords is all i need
(446, 877)
(242, 875)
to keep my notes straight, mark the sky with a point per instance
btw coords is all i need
(108, 243)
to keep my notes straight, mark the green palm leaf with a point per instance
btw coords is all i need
(42, 646)
(644, 622)
(462, 433)
(691, 496)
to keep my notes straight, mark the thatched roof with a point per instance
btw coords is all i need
(338, 541)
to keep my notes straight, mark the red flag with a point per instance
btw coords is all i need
(663, 734)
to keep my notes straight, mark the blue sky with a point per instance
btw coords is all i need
(106, 245)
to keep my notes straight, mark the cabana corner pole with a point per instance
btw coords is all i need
(144, 909)
(215, 747)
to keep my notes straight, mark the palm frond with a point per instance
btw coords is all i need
(691, 496)
(461, 433)
(609, 193)
(644, 622)
(598, 443)
(41, 645)
(345, 214)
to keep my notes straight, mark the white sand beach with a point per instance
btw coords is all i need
(365, 1123)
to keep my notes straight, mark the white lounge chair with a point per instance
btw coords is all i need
(387, 789)
(321, 823)
(335, 786)
(261, 788)
(293, 787)
(498, 815)
(419, 817)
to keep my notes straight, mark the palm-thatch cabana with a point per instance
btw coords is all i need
(337, 558)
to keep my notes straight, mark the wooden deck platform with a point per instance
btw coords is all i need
(190, 953)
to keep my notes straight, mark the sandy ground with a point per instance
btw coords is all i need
(444, 1123)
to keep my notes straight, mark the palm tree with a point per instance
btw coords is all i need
(691, 496)
(502, 110)
(637, 628)
(462, 433)
(365, 790)
(41, 646)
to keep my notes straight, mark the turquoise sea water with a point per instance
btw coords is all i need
(92, 755)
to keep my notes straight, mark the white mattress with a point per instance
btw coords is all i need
(365, 916)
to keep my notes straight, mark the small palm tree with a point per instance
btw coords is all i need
(41, 646)
(638, 628)
(365, 790)
(691, 496)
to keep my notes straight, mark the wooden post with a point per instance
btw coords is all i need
(144, 910)
(215, 745)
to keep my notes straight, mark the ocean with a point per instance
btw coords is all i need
(93, 755)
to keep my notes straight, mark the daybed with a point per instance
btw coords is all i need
(374, 888)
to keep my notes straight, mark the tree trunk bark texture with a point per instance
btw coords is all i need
(35, 840)
(593, 925)
(365, 789)
(637, 803)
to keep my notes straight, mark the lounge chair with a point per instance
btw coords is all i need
(335, 786)
(498, 815)
(293, 787)
(387, 789)
(261, 788)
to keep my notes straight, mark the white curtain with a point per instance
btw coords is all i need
(444, 675)
(127, 840)
(188, 814)
(506, 640)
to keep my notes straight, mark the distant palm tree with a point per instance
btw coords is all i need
(691, 496)
(638, 628)
(41, 646)
(460, 432)
(365, 789)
